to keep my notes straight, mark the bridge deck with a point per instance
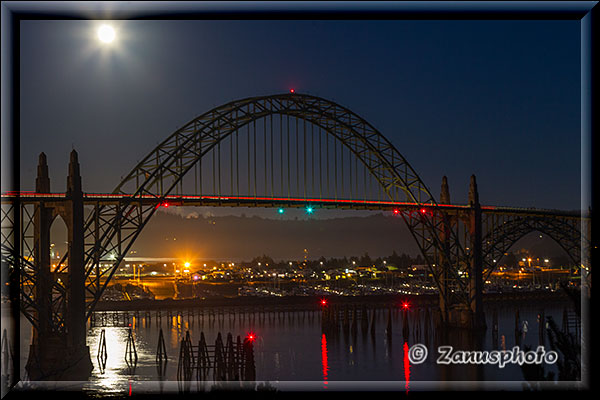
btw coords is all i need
(272, 202)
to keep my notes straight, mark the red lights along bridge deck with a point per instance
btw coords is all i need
(273, 202)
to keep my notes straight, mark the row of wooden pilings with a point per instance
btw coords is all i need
(420, 322)
(521, 329)
(232, 361)
(131, 356)
(227, 362)
(571, 323)
(346, 318)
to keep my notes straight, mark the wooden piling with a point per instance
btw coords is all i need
(405, 325)
(541, 327)
(131, 356)
(219, 373)
(427, 323)
(517, 328)
(373, 321)
(354, 323)
(161, 349)
(249, 366)
(230, 366)
(364, 319)
(102, 353)
(203, 358)
(388, 329)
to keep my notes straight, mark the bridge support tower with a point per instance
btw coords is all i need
(468, 314)
(476, 267)
(444, 301)
(58, 350)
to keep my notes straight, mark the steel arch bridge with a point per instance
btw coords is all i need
(279, 150)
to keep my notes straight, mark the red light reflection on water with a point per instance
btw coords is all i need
(324, 359)
(406, 366)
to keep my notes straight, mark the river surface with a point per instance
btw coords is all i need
(291, 351)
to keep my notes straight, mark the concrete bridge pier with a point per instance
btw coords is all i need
(58, 350)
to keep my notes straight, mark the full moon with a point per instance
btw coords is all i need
(106, 33)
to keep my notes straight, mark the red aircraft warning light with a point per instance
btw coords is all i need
(251, 336)
(292, 90)
(396, 211)
(323, 302)
(405, 305)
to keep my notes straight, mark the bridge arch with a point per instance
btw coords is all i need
(563, 231)
(160, 172)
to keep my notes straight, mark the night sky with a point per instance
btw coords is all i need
(498, 99)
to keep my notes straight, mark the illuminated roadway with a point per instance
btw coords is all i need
(273, 202)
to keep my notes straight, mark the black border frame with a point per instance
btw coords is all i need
(587, 12)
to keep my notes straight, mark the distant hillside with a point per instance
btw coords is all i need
(237, 237)
(243, 237)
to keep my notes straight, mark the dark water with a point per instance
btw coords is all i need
(291, 351)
